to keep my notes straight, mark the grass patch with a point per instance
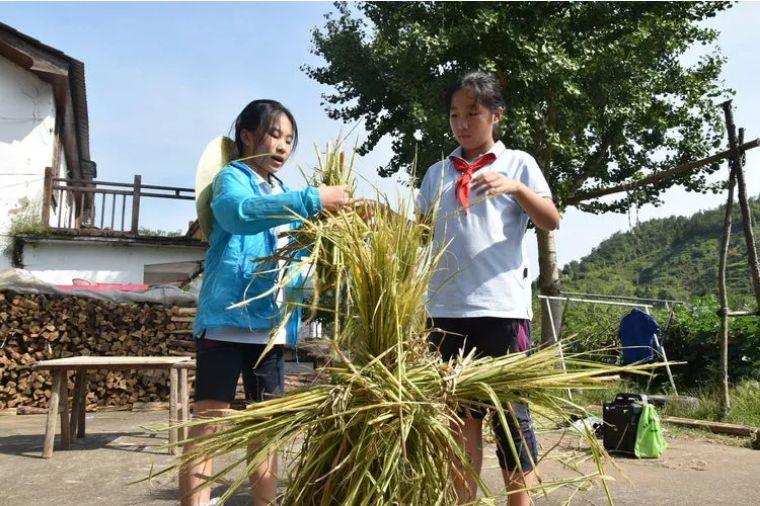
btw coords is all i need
(27, 224)
(149, 232)
(696, 434)
(745, 404)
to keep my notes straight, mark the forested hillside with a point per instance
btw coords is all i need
(674, 257)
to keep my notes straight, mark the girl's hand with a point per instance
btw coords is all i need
(334, 198)
(494, 183)
(540, 210)
(367, 208)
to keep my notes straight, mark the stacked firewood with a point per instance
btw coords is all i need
(181, 331)
(41, 327)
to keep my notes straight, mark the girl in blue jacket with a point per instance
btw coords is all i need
(251, 208)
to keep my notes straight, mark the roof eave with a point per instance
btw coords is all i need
(66, 76)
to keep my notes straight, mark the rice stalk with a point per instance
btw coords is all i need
(378, 431)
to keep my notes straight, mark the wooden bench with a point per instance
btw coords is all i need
(59, 398)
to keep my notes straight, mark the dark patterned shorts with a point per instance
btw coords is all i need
(219, 365)
(493, 337)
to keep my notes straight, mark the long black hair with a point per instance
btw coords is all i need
(486, 88)
(258, 117)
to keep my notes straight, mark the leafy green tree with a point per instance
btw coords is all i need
(598, 92)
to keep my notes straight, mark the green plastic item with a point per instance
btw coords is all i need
(650, 443)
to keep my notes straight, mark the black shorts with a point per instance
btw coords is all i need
(492, 337)
(219, 364)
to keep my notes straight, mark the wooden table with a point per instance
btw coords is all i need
(59, 398)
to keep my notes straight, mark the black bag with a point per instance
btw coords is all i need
(621, 421)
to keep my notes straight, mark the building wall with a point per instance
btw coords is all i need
(59, 262)
(27, 140)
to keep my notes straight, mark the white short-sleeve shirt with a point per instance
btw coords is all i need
(484, 271)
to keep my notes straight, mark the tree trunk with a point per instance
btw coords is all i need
(548, 283)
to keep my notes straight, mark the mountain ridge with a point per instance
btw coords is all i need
(670, 258)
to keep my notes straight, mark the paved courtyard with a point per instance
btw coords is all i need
(117, 451)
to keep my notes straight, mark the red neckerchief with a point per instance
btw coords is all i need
(467, 169)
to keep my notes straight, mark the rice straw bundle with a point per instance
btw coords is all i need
(379, 430)
(331, 170)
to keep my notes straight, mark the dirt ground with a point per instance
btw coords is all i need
(98, 469)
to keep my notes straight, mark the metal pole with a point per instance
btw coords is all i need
(591, 301)
(622, 297)
(136, 205)
(664, 357)
(47, 196)
(556, 340)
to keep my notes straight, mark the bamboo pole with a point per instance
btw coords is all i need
(722, 292)
(679, 170)
(725, 400)
(737, 159)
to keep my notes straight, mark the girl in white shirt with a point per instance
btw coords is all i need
(480, 296)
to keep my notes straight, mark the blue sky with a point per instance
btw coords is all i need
(165, 78)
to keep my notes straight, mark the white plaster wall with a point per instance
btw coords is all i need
(27, 122)
(58, 262)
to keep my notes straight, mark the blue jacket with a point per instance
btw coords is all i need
(242, 230)
(637, 331)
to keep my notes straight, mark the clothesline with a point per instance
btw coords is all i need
(594, 301)
(646, 307)
(666, 302)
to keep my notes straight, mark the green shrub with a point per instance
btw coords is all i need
(695, 338)
(745, 404)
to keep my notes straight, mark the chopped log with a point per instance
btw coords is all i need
(715, 427)
(183, 319)
(31, 410)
